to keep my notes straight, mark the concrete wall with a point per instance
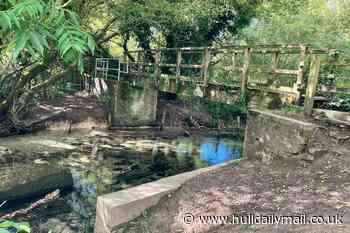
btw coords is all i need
(134, 103)
(120, 207)
(271, 136)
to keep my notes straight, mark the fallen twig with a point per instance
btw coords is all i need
(2, 204)
(49, 197)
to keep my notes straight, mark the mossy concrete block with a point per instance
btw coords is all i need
(134, 104)
(270, 136)
(23, 182)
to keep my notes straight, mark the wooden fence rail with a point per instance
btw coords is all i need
(304, 79)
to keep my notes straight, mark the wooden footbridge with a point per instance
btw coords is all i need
(226, 73)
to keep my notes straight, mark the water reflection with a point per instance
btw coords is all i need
(211, 150)
(121, 169)
(215, 152)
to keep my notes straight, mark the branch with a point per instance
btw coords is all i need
(106, 39)
(49, 197)
(66, 4)
(18, 85)
(3, 203)
(102, 31)
(50, 81)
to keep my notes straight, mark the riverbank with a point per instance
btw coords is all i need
(252, 187)
(291, 167)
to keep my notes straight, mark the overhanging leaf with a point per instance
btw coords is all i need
(35, 39)
(21, 41)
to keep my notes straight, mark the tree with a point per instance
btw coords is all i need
(37, 36)
(318, 22)
(177, 23)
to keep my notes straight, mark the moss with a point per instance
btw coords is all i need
(291, 109)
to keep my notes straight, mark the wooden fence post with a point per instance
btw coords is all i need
(173, 83)
(244, 75)
(205, 69)
(274, 66)
(312, 85)
(300, 77)
(178, 63)
(157, 72)
(139, 64)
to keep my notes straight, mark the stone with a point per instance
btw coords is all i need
(341, 151)
(5, 151)
(317, 151)
(40, 161)
(108, 147)
(339, 136)
(22, 182)
(96, 133)
(54, 144)
(309, 157)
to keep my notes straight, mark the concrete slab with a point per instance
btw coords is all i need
(120, 207)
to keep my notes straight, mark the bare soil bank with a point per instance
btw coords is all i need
(320, 188)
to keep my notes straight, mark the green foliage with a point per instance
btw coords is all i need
(226, 112)
(179, 23)
(318, 22)
(14, 227)
(36, 28)
(340, 102)
(291, 109)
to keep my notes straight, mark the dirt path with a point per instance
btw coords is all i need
(78, 110)
(251, 187)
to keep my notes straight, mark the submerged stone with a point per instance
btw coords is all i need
(55, 144)
(23, 182)
(5, 151)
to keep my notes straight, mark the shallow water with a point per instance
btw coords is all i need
(118, 166)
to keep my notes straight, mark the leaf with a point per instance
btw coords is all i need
(46, 32)
(60, 18)
(73, 16)
(31, 51)
(35, 39)
(91, 44)
(22, 227)
(65, 50)
(59, 32)
(80, 48)
(14, 19)
(21, 41)
(12, 2)
(70, 56)
(5, 224)
(4, 231)
(5, 21)
(80, 65)
(62, 39)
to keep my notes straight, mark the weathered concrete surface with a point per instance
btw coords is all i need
(336, 116)
(120, 207)
(282, 188)
(271, 136)
(134, 105)
(305, 170)
(22, 182)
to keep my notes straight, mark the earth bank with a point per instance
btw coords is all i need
(305, 172)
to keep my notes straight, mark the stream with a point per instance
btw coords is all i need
(103, 162)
